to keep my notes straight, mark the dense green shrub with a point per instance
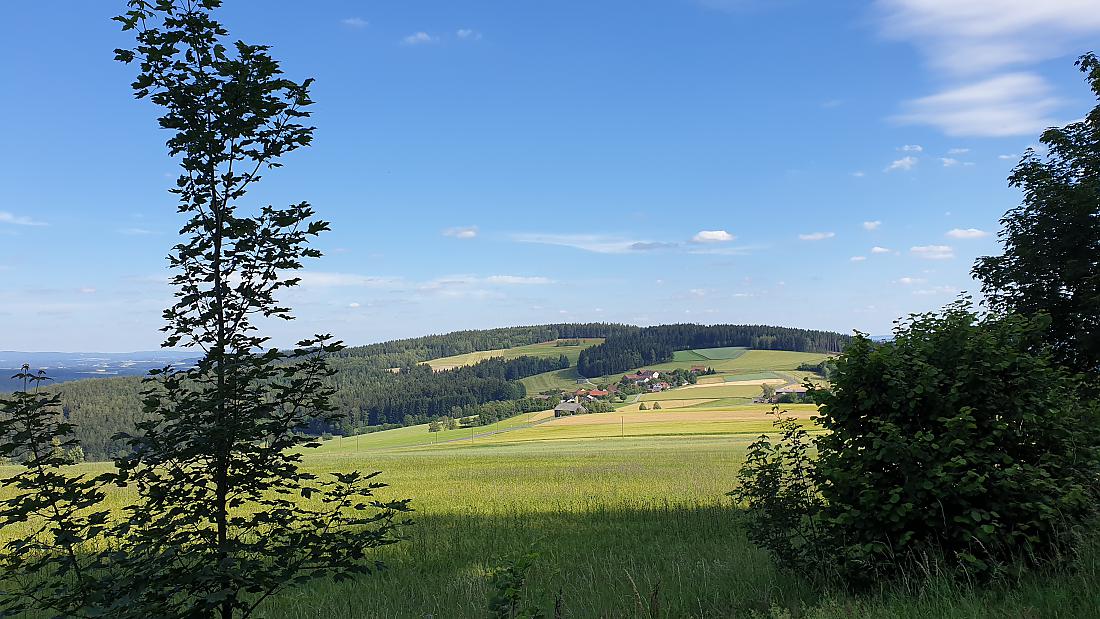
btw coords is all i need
(959, 438)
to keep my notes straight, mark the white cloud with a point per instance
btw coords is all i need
(1012, 156)
(879, 250)
(948, 162)
(975, 36)
(857, 258)
(958, 151)
(461, 232)
(905, 163)
(1005, 105)
(517, 280)
(712, 236)
(831, 103)
(354, 22)
(872, 225)
(468, 35)
(353, 305)
(817, 236)
(87, 290)
(18, 220)
(859, 174)
(419, 38)
(136, 231)
(933, 252)
(909, 281)
(968, 233)
(911, 148)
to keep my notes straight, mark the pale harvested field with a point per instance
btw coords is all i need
(734, 383)
(672, 417)
(666, 404)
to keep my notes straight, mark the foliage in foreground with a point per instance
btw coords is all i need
(962, 438)
(225, 516)
(1051, 259)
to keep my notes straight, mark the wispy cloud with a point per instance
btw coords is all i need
(857, 258)
(355, 22)
(1006, 105)
(1008, 156)
(461, 232)
(909, 281)
(419, 38)
(911, 148)
(652, 245)
(976, 36)
(948, 162)
(958, 151)
(467, 34)
(859, 174)
(936, 290)
(136, 231)
(517, 280)
(597, 243)
(19, 220)
(712, 236)
(905, 163)
(872, 225)
(967, 233)
(321, 279)
(816, 236)
(880, 250)
(933, 252)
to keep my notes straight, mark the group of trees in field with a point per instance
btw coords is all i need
(969, 440)
(653, 345)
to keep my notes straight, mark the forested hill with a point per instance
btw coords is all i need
(384, 384)
(410, 351)
(657, 344)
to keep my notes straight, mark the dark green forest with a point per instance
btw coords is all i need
(657, 344)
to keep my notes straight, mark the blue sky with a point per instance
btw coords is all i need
(823, 165)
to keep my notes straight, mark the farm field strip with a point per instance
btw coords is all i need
(542, 349)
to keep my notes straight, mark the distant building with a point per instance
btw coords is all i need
(698, 369)
(795, 389)
(641, 377)
(599, 393)
(569, 408)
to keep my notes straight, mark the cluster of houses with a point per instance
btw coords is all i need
(647, 379)
(795, 391)
(573, 403)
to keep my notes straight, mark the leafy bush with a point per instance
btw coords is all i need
(961, 437)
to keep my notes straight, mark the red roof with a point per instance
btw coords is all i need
(598, 392)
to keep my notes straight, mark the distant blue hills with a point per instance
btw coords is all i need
(66, 366)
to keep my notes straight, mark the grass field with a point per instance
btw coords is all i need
(616, 522)
(543, 349)
(560, 380)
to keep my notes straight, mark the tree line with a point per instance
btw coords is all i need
(652, 345)
(365, 396)
(409, 351)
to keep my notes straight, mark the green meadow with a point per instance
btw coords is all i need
(542, 349)
(623, 526)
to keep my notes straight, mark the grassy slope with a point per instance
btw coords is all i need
(544, 349)
(610, 517)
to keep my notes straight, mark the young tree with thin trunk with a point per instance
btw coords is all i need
(226, 516)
